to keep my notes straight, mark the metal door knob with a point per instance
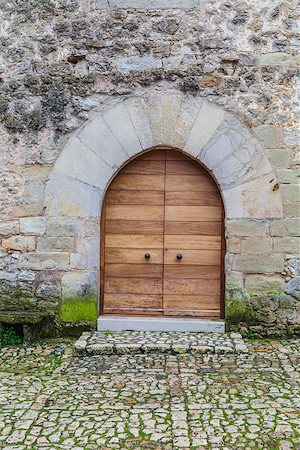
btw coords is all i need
(179, 256)
(147, 255)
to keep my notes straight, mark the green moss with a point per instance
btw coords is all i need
(238, 310)
(79, 309)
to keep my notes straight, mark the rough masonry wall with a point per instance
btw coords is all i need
(62, 61)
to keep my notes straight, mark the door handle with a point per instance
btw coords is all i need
(179, 256)
(147, 255)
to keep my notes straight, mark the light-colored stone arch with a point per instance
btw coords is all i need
(94, 154)
(202, 130)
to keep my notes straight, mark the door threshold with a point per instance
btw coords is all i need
(121, 323)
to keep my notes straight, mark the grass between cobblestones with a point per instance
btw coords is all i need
(52, 399)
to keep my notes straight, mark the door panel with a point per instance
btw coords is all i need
(163, 204)
(134, 224)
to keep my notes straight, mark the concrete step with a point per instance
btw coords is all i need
(144, 323)
(131, 342)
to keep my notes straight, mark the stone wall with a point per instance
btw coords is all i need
(64, 62)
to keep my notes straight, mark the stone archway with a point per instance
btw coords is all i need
(202, 130)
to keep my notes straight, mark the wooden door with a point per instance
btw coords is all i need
(168, 206)
(134, 226)
(192, 240)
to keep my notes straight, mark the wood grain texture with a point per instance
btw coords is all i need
(134, 285)
(191, 183)
(186, 198)
(193, 213)
(179, 271)
(135, 226)
(134, 212)
(133, 256)
(202, 228)
(190, 286)
(155, 198)
(138, 182)
(193, 257)
(145, 167)
(192, 242)
(133, 270)
(134, 241)
(127, 301)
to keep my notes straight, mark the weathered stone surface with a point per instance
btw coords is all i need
(293, 287)
(263, 283)
(87, 255)
(291, 193)
(144, 62)
(257, 245)
(44, 261)
(137, 112)
(79, 284)
(291, 136)
(288, 176)
(18, 242)
(119, 122)
(56, 244)
(69, 197)
(64, 226)
(285, 227)
(78, 162)
(153, 4)
(32, 225)
(275, 59)
(280, 158)
(247, 227)
(208, 119)
(286, 245)
(7, 228)
(258, 263)
(98, 137)
(268, 135)
(235, 279)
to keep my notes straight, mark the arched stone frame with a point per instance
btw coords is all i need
(97, 151)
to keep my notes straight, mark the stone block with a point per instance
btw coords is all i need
(88, 254)
(280, 158)
(21, 243)
(275, 59)
(32, 225)
(208, 120)
(136, 109)
(291, 136)
(154, 110)
(263, 283)
(8, 228)
(80, 283)
(56, 244)
(268, 135)
(153, 4)
(119, 122)
(256, 245)
(288, 176)
(246, 227)
(234, 279)
(26, 210)
(259, 198)
(291, 209)
(286, 245)
(189, 110)
(285, 227)
(258, 263)
(170, 105)
(98, 137)
(72, 198)
(63, 227)
(77, 161)
(127, 64)
(293, 287)
(233, 245)
(44, 261)
(291, 192)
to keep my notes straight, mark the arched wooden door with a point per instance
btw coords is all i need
(162, 250)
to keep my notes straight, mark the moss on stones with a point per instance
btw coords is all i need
(238, 310)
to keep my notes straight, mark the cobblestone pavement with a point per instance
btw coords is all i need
(50, 399)
(125, 342)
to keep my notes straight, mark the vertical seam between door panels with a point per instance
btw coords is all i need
(164, 226)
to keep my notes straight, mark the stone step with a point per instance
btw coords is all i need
(129, 342)
(146, 323)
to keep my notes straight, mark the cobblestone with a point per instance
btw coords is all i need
(124, 342)
(53, 399)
